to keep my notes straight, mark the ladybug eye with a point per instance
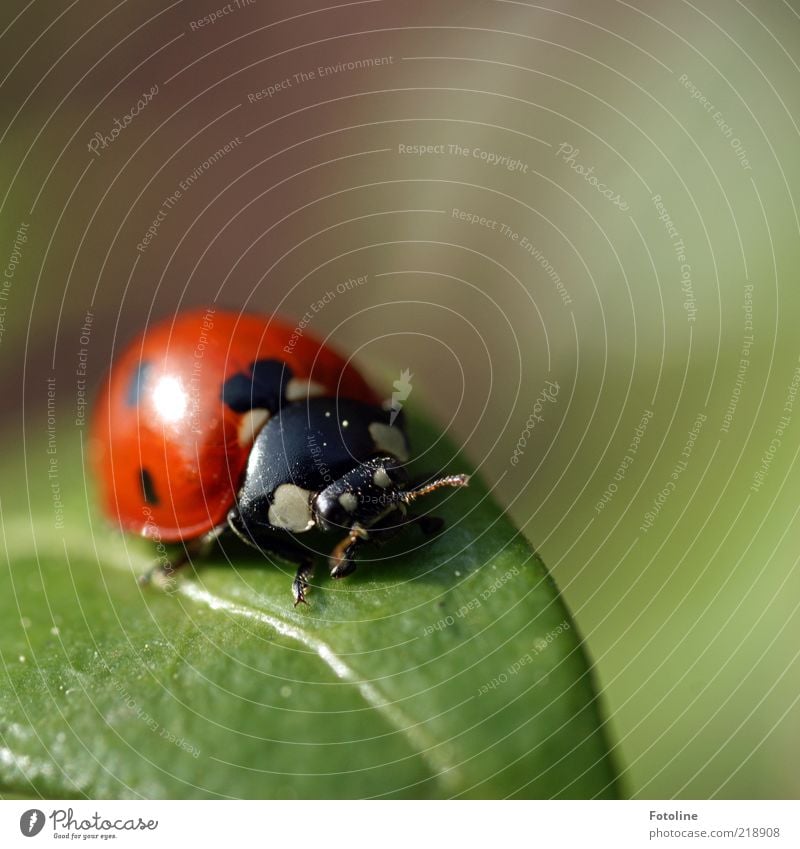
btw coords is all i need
(335, 511)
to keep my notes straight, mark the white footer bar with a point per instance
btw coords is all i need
(401, 825)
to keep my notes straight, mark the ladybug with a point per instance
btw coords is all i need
(218, 422)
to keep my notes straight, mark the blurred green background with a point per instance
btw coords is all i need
(601, 195)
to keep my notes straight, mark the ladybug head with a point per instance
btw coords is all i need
(370, 492)
(362, 496)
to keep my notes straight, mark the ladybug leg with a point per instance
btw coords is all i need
(305, 571)
(293, 553)
(342, 561)
(162, 573)
(267, 545)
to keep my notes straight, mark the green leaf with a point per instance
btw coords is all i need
(448, 669)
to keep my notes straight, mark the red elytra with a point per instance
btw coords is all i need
(168, 452)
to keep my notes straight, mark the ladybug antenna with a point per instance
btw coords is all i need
(424, 489)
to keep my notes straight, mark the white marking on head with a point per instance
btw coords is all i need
(291, 508)
(251, 423)
(298, 389)
(348, 501)
(389, 439)
(381, 478)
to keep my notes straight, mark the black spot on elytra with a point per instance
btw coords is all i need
(263, 389)
(148, 489)
(136, 385)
